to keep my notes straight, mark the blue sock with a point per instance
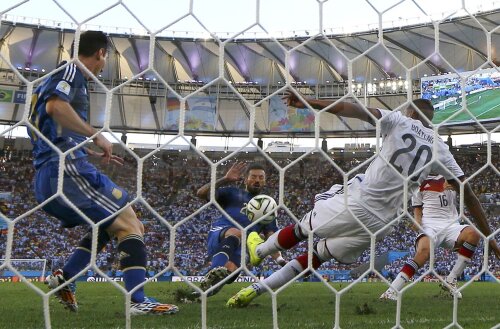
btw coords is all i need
(133, 264)
(77, 262)
(226, 249)
(132, 278)
(81, 256)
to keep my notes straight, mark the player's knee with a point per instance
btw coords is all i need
(125, 224)
(327, 250)
(300, 232)
(233, 231)
(102, 240)
(132, 252)
(471, 235)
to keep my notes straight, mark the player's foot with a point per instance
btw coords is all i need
(451, 288)
(242, 298)
(65, 295)
(213, 277)
(389, 294)
(253, 241)
(152, 306)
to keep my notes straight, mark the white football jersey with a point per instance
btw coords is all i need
(407, 147)
(438, 202)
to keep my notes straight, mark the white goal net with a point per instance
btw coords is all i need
(181, 86)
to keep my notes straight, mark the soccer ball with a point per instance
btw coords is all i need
(261, 206)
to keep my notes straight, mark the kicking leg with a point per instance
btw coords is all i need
(283, 239)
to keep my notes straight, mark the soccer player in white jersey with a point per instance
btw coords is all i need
(410, 152)
(436, 212)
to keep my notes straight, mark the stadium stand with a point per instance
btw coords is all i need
(169, 184)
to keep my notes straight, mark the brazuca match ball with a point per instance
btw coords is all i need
(262, 206)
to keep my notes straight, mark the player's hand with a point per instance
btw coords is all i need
(235, 172)
(494, 248)
(106, 147)
(292, 100)
(114, 158)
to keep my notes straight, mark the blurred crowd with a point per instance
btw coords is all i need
(177, 222)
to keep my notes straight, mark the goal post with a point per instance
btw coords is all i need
(31, 269)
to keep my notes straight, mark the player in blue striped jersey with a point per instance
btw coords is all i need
(60, 109)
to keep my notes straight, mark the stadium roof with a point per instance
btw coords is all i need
(317, 66)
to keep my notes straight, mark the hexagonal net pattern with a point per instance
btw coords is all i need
(362, 207)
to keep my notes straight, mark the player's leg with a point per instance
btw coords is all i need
(275, 280)
(330, 221)
(409, 269)
(464, 239)
(78, 260)
(422, 255)
(466, 244)
(133, 258)
(283, 239)
(80, 257)
(343, 249)
(103, 202)
(82, 194)
(229, 244)
(324, 214)
(223, 245)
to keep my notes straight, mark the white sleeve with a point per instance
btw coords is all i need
(388, 120)
(416, 199)
(447, 160)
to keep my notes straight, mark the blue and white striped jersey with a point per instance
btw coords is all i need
(70, 85)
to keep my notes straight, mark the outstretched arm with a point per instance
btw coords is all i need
(343, 109)
(232, 175)
(477, 212)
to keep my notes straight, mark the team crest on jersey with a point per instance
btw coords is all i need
(63, 87)
(117, 193)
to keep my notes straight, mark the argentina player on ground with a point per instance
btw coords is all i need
(224, 238)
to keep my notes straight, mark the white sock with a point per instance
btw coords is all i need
(280, 277)
(270, 246)
(458, 268)
(400, 281)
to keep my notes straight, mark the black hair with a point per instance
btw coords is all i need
(425, 106)
(254, 166)
(90, 43)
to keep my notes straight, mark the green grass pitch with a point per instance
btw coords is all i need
(484, 105)
(301, 305)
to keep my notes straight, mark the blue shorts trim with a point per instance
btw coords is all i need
(90, 191)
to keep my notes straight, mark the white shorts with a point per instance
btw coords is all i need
(443, 236)
(342, 236)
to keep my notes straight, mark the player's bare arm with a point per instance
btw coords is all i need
(477, 213)
(343, 109)
(233, 175)
(417, 214)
